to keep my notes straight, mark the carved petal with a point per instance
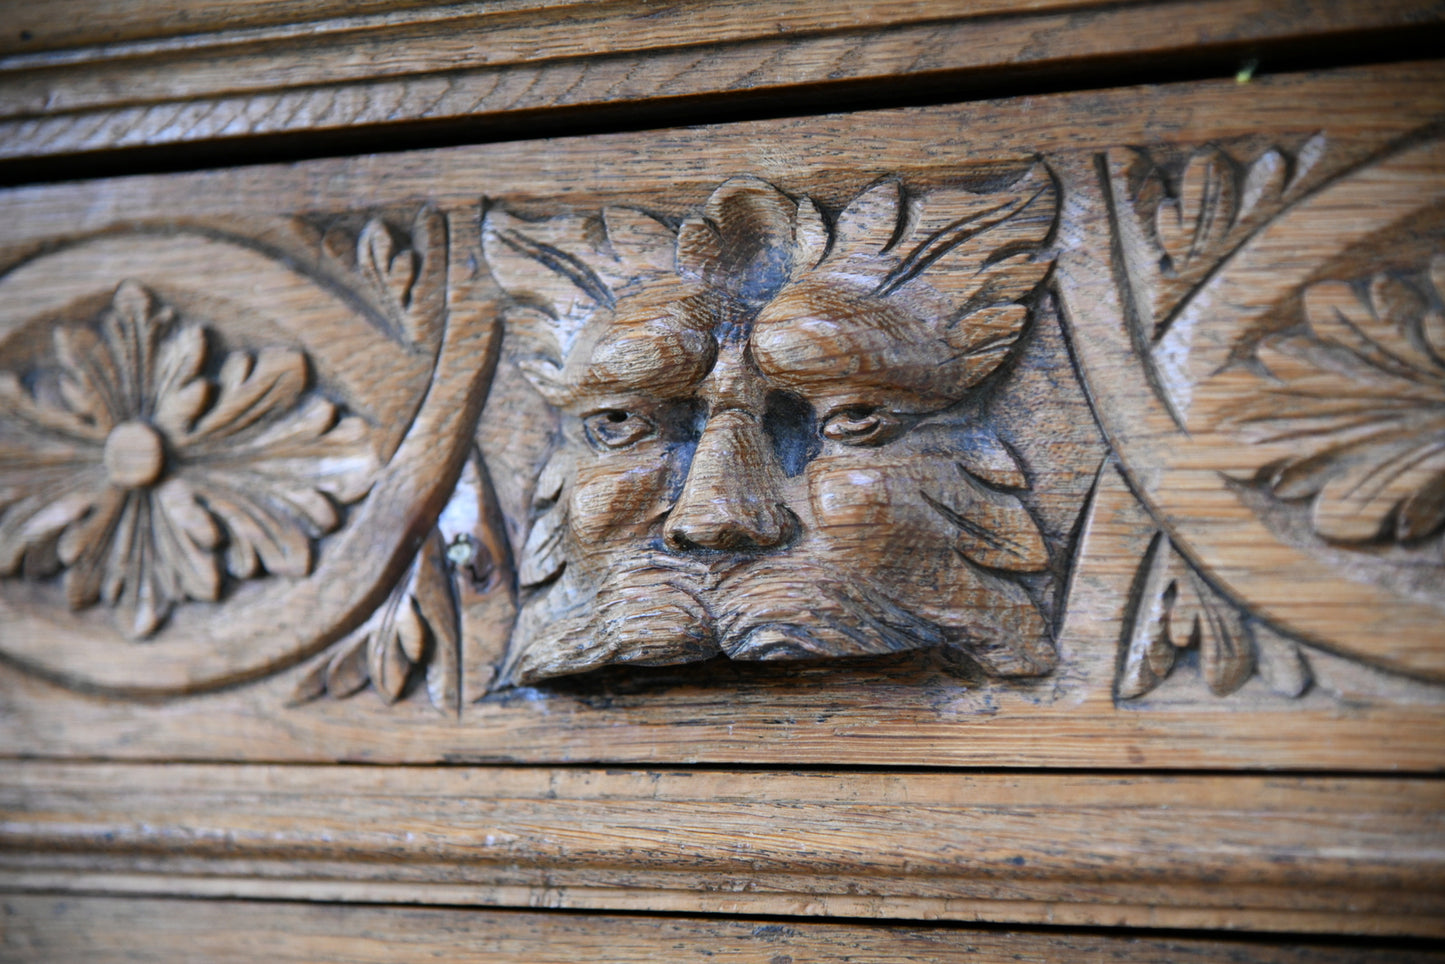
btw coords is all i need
(1356, 503)
(1423, 511)
(1377, 332)
(307, 447)
(250, 389)
(130, 581)
(183, 536)
(131, 329)
(181, 394)
(72, 409)
(260, 527)
(32, 525)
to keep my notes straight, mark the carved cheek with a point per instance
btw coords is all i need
(620, 498)
(873, 521)
(870, 501)
(854, 501)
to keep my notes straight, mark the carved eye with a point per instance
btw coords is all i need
(861, 425)
(616, 429)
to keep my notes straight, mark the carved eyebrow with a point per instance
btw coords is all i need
(562, 263)
(663, 365)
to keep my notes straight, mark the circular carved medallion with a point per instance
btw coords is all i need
(210, 461)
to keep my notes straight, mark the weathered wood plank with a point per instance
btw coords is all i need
(467, 65)
(1230, 852)
(100, 929)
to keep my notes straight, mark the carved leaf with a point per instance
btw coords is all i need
(1178, 610)
(870, 223)
(426, 304)
(638, 238)
(983, 252)
(1203, 209)
(346, 671)
(994, 529)
(143, 478)
(1264, 181)
(1280, 662)
(415, 627)
(543, 555)
(404, 273)
(388, 269)
(1359, 398)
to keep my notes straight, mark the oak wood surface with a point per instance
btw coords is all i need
(220, 78)
(1093, 440)
(100, 929)
(1223, 851)
(910, 711)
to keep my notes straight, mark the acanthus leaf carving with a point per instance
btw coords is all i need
(413, 634)
(1357, 394)
(1178, 611)
(1189, 214)
(404, 272)
(151, 475)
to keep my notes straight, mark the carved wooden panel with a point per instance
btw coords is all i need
(961, 434)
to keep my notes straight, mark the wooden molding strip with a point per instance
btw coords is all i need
(101, 929)
(476, 65)
(1249, 853)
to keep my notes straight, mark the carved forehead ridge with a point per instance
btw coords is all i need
(920, 300)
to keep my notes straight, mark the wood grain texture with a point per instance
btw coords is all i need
(1233, 852)
(425, 627)
(427, 64)
(101, 930)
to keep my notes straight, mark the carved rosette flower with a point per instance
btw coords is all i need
(150, 473)
(1358, 393)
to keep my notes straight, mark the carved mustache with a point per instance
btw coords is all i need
(658, 608)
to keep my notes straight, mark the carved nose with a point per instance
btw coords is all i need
(732, 498)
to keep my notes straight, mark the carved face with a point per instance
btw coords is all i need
(773, 440)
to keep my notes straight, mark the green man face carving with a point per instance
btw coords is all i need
(772, 437)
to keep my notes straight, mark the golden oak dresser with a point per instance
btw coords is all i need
(745, 481)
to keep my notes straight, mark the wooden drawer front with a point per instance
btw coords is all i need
(1093, 430)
